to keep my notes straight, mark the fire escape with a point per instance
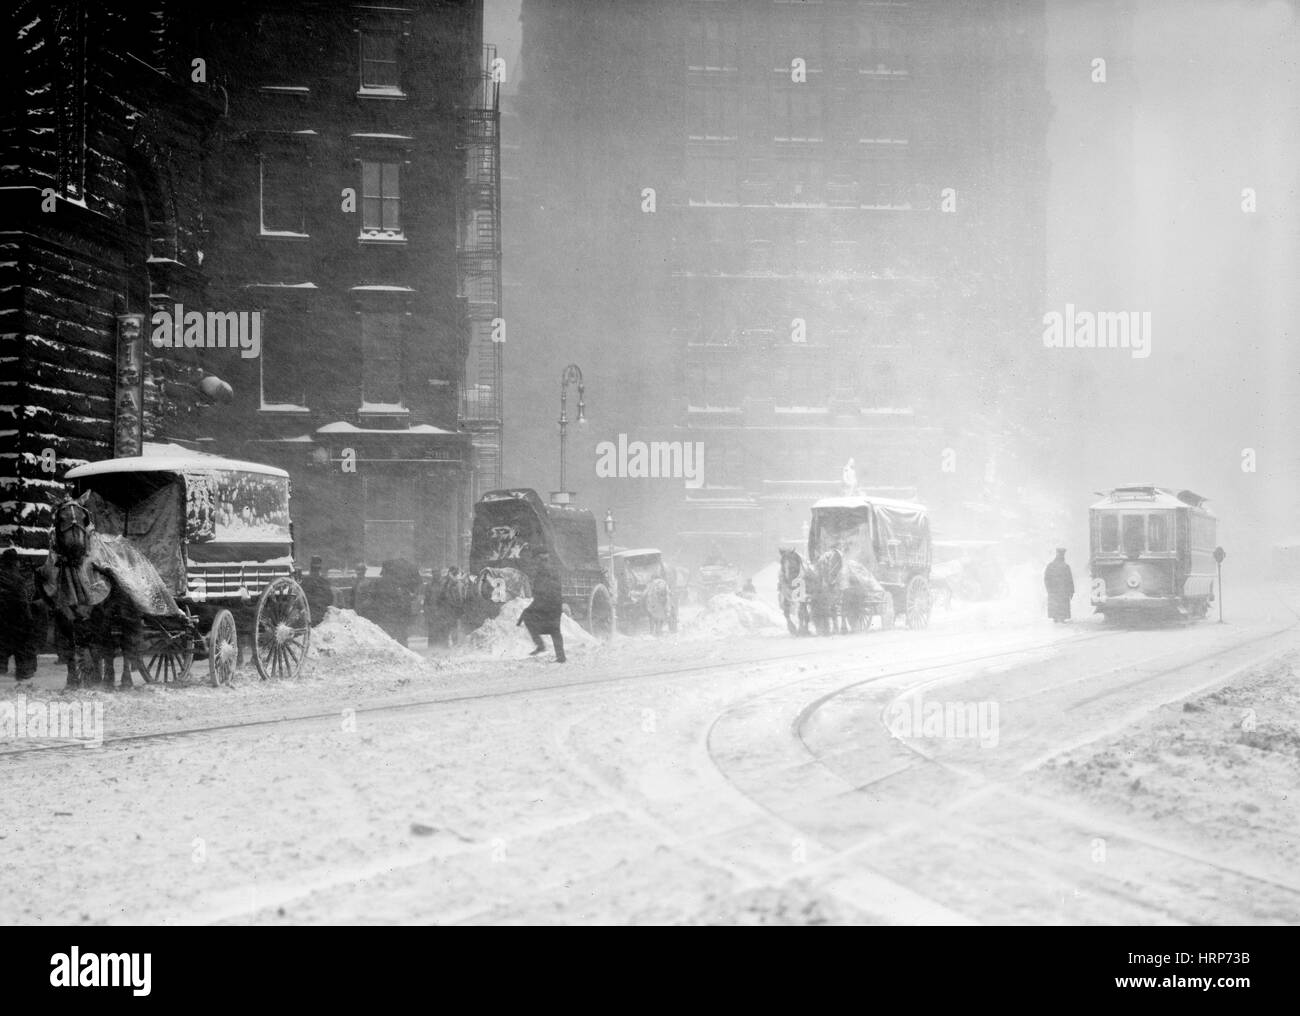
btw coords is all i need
(479, 262)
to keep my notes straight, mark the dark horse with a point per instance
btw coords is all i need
(93, 615)
(795, 585)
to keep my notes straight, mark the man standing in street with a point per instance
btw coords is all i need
(18, 621)
(1059, 581)
(320, 594)
(543, 616)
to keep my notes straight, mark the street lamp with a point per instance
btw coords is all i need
(1219, 555)
(609, 535)
(572, 374)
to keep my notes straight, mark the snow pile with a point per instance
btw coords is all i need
(765, 584)
(346, 638)
(502, 637)
(727, 612)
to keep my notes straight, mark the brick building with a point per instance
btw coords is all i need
(304, 162)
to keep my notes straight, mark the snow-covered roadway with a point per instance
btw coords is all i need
(725, 777)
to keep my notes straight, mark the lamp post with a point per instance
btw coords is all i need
(609, 535)
(1219, 555)
(571, 374)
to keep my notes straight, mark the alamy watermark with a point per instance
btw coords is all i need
(1083, 329)
(678, 460)
(72, 720)
(192, 329)
(918, 718)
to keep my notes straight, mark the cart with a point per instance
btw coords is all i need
(510, 523)
(643, 592)
(217, 532)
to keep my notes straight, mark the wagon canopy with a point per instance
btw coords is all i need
(904, 532)
(171, 497)
(867, 528)
(507, 521)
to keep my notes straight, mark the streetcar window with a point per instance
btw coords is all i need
(1109, 533)
(1134, 534)
(1158, 532)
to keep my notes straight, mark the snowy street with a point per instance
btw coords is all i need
(995, 768)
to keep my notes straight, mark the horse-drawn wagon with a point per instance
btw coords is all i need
(866, 557)
(217, 545)
(643, 591)
(509, 523)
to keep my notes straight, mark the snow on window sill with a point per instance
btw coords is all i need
(282, 407)
(285, 234)
(380, 92)
(384, 409)
(382, 236)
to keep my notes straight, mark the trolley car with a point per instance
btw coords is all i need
(1152, 553)
(217, 531)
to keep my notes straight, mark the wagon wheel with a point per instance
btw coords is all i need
(223, 648)
(167, 655)
(600, 613)
(888, 612)
(918, 603)
(281, 629)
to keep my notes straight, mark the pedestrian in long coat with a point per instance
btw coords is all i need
(543, 615)
(1059, 581)
(20, 624)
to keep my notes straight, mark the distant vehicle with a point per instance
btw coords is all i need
(888, 539)
(1152, 553)
(644, 592)
(218, 533)
(714, 578)
(507, 523)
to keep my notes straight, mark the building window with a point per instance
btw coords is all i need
(797, 114)
(711, 44)
(392, 510)
(381, 200)
(713, 114)
(379, 63)
(712, 386)
(798, 37)
(283, 196)
(283, 356)
(710, 180)
(381, 361)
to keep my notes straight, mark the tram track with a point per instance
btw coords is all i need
(999, 839)
(806, 650)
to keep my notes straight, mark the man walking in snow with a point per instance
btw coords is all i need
(1059, 581)
(543, 616)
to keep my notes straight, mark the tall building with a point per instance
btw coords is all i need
(102, 135)
(305, 165)
(845, 260)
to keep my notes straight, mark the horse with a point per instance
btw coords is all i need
(445, 603)
(795, 585)
(94, 617)
(846, 590)
(658, 603)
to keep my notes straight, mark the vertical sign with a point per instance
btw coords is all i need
(128, 398)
